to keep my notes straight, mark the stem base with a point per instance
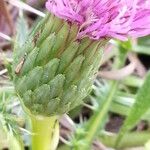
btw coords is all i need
(45, 133)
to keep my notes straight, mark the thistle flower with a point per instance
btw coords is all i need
(54, 69)
(53, 73)
(105, 18)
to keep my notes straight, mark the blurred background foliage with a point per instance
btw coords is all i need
(115, 116)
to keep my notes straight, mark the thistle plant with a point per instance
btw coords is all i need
(55, 68)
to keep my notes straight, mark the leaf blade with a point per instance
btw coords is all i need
(140, 107)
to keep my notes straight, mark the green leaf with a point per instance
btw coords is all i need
(84, 74)
(27, 96)
(60, 41)
(56, 86)
(69, 95)
(8, 66)
(20, 52)
(73, 70)
(33, 78)
(26, 82)
(67, 56)
(85, 44)
(89, 54)
(57, 24)
(145, 41)
(22, 34)
(45, 50)
(42, 27)
(42, 94)
(142, 45)
(22, 31)
(50, 24)
(142, 50)
(141, 106)
(9, 128)
(72, 33)
(50, 70)
(21, 88)
(52, 106)
(30, 61)
(96, 61)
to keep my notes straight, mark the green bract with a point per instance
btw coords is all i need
(53, 71)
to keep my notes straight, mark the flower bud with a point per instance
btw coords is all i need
(53, 70)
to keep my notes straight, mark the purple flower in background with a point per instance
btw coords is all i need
(105, 18)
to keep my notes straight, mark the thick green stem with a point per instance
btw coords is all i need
(45, 133)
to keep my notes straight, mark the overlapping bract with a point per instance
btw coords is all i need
(57, 71)
(105, 18)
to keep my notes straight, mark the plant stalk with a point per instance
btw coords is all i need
(45, 133)
(96, 122)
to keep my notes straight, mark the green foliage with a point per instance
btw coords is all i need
(53, 73)
(140, 107)
(142, 46)
(8, 123)
(22, 28)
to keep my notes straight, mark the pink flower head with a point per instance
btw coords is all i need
(105, 18)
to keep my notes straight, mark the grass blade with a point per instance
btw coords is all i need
(141, 106)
